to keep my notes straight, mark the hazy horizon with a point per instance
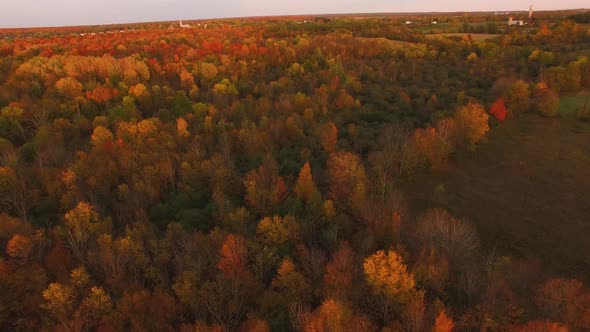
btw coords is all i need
(28, 13)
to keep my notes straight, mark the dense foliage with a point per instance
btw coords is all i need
(250, 175)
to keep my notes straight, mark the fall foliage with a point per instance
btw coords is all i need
(283, 174)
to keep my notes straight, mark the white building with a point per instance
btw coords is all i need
(185, 25)
(511, 21)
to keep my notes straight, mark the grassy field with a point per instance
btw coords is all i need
(527, 189)
(570, 104)
(392, 44)
(475, 36)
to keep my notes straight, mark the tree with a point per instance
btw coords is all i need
(338, 278)
(546, 101)
(452, 238)
(70, 88)
(413, 314)
(14, 192)
(329, 137)
(181, 104)
(234, 257)
(101, 95)
(539, 325)
(59, 302)
(305, 189)
(208, 70)
(518, 98)
(10, 122)
(334, 316)
(430, 148)
(253, 324)
(456, 237)
(278, 232)
(395, 159)
(265, 189)
(138, 91)
(100, 136)
(388, 276)
(472, 124)
(142, 310)
(291, 284)
(187, 80)
(95, 306)
(443, 323)
(564, 300)
(498, 109)
(83, 225)
(347, 179)
(181, 127)
(19, 246)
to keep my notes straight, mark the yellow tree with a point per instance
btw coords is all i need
(95, 306)
(518, 97)
(181, 127)
(82, 226)
(388, 278)
(471, 124)
(60, 301)
(100, 136)
(277, 232)
(291, 283)
(70, 88)
(334, 316)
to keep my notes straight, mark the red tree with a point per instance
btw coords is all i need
(498, 109)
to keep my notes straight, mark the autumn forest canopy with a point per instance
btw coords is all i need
(337, 173)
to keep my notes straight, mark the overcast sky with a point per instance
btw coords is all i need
(26, 13)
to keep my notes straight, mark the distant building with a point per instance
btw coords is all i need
(434, 22)
(512, 21)
(408, 22)
(186, 26)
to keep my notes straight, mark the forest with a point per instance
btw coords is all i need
(334, 173)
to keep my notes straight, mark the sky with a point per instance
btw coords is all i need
(34, 13)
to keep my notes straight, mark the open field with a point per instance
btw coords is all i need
(570, 104)
(475, 36)
(389, 43)
(527, 190)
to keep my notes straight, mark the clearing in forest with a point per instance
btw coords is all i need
(475, 36)
(527, 189)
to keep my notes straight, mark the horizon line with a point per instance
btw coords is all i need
(288, 15)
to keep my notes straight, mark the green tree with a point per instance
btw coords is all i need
(10, 122)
